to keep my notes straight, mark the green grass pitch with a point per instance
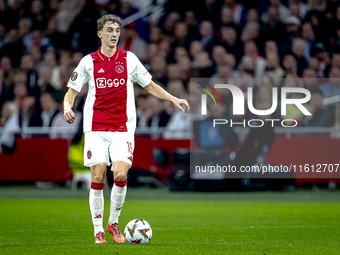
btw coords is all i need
(182, 223)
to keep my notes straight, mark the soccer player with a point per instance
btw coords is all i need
(110, 118)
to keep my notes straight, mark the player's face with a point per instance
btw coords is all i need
(110, 34)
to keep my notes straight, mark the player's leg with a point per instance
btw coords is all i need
(118, 194)
(96, 157)
(96, 200)
(121, 154)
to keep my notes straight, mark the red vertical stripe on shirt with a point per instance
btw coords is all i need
(110, 77)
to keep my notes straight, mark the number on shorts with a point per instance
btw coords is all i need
(130, 147)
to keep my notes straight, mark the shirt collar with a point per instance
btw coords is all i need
(103, 57)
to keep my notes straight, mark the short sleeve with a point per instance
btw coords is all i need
(139, 74)
(79, 77)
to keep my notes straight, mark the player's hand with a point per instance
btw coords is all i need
(69, 116)
(182, 104)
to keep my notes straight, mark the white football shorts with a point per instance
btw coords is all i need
(99, 146)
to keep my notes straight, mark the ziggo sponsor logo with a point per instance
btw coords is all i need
(103, 82)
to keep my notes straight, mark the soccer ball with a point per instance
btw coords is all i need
(138, 231)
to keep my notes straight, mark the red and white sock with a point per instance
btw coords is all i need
(118, 194)
(97, 206)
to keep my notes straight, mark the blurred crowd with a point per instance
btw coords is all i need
(249, 43)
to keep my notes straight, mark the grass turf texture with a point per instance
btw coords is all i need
(63, 226)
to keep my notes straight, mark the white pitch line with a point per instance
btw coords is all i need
(53, 230)
(252, 227)
(188, 228)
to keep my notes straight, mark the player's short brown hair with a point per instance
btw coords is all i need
(108, 17)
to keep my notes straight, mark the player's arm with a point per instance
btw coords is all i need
(69, 115)
(77, 80)
(157, 91)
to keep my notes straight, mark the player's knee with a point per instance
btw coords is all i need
(98, 178)
(120, 177)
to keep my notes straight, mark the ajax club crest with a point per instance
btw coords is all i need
(119, 69)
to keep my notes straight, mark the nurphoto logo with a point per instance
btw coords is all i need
(238, 104)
